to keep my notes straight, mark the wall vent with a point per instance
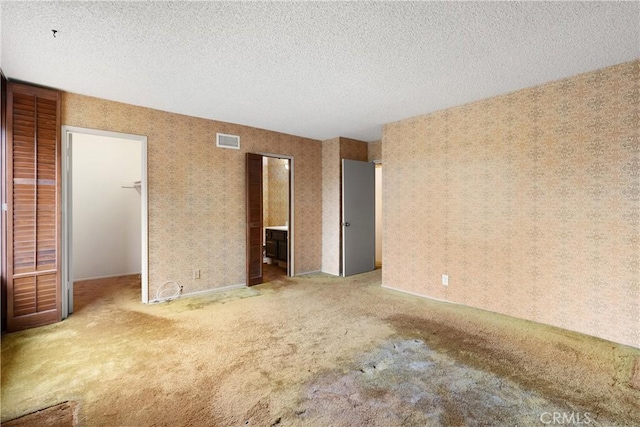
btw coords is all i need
(227, 141)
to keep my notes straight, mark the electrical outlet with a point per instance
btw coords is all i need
(196, 274)
(445, 279)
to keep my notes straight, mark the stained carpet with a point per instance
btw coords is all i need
(311, 351)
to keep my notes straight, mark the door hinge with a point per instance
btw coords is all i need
(5, 207)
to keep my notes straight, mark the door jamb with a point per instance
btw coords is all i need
(67, 271)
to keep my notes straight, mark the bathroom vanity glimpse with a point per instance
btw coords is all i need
(276, 242)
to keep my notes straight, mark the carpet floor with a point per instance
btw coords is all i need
(315, 350)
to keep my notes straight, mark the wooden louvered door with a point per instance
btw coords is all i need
(254, 219)
(33, 197)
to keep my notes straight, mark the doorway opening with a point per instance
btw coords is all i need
(276, 205)
(105, 215)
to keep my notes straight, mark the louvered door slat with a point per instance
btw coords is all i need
(33, 288)
(24, 298)
(24, 222)
(46, 292)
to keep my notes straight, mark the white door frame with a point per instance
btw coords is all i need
(67, 205)
(291, 241)
(378, 165)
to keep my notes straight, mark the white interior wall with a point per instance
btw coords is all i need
(378, 215)
(106, 223)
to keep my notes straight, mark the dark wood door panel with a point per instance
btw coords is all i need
(254, 219)
(33, 198)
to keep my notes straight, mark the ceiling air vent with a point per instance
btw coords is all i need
(227, 141)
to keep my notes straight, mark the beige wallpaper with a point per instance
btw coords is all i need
(197, 191)
(528, 201)
(333, 151)
(331, 206)
(375, 151)
(276, 196)
(352, 149)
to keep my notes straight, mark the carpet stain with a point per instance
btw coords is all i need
(550, 368)
(405, 382)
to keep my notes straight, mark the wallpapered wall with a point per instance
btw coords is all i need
(331, 206)
(529, 201)
(333, 151)
(276, 192)
(352, 149)
(375, 150)
(197, 191)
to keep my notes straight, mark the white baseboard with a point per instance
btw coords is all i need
(215, 290)
(308, 272)
(106, 277)
(201, 293)
(415, 294)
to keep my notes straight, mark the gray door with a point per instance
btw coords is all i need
(358, 217)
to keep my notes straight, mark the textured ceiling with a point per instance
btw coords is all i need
(318, 70)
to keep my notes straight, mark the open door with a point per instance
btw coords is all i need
(254, 219)
(33, 206)
(358, 217)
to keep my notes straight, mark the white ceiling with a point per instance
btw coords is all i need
(318, 70)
